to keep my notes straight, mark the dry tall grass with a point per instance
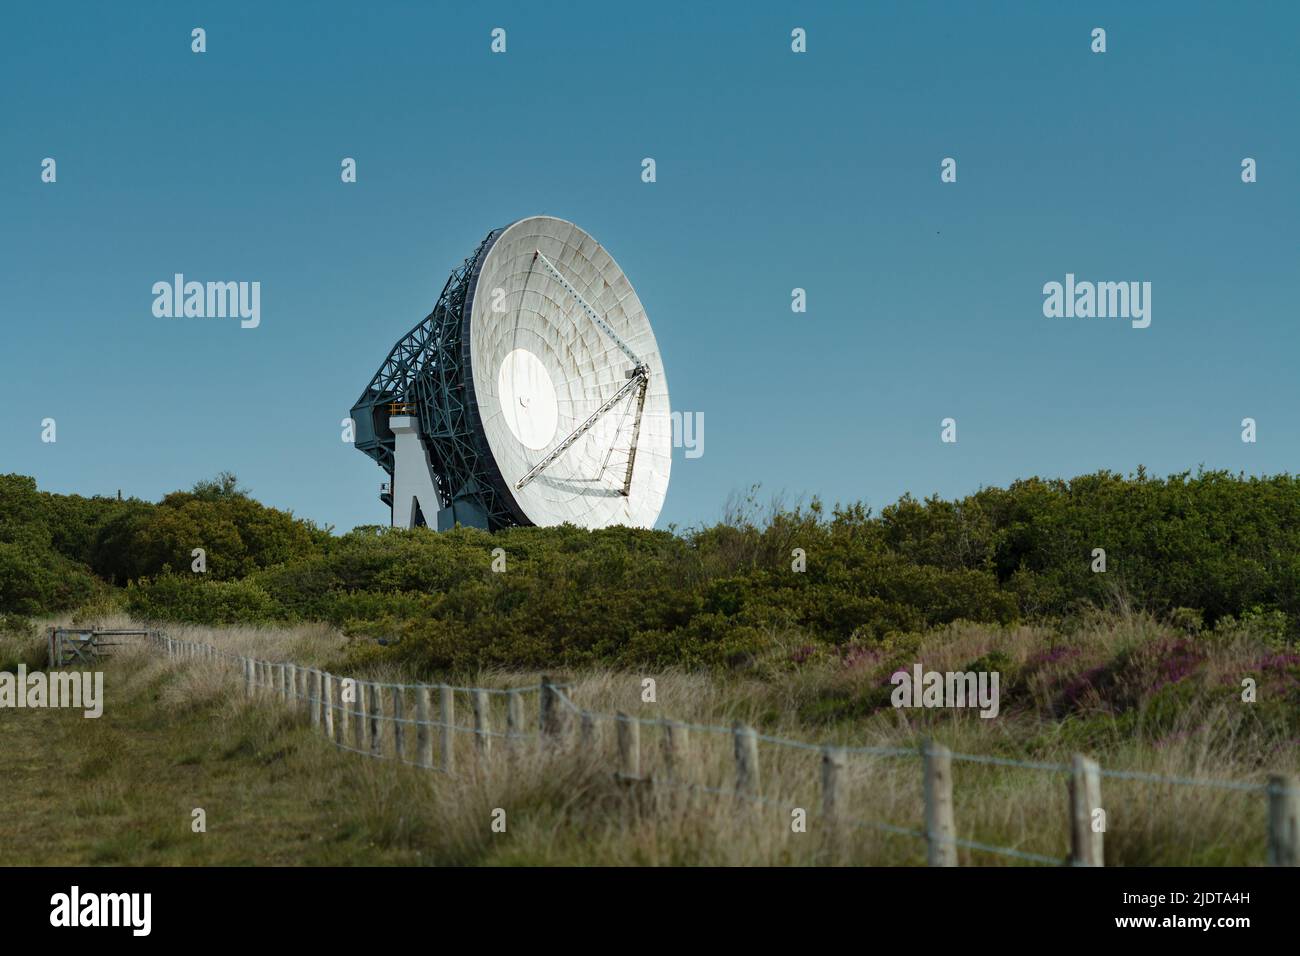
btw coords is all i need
(563, 804)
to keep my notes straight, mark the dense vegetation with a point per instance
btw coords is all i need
(1195, 548)
(37, 573)
(58, 551)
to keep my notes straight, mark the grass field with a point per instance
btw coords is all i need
(176, 736)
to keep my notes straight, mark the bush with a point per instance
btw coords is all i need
(34, 577)
(1214, 553)
(197, 600)
(238, 535)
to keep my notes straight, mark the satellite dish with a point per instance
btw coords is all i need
(532, 394)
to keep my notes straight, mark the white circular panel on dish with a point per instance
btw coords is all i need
(616, 470)
(528, 399)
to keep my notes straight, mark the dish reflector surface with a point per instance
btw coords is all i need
(540, 367)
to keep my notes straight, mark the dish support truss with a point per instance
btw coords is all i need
(427, 375)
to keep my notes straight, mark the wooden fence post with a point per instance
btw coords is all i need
(482, 723)
(1284, 820)
(313, 696)
(291, 683)
(833, 760)
(939, 829)
(552, 717)
(399, 729)
(676, 744)
(361, 718)
(375, 713)
(447, 717)
(423, 738)
(544, 705)
(514, 720)
(327, 704)
(629, 747)
(746, 747)
(341, 715)
(1086, 848)
(248, 675)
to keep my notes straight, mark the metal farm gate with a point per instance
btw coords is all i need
(84, 645)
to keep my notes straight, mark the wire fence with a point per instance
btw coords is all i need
(353, 715)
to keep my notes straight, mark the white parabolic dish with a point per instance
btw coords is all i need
(541, 366)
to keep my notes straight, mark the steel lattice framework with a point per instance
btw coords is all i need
(426, 369)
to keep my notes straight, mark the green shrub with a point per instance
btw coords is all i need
(34, 577)
(197, 600)
(1218, 555)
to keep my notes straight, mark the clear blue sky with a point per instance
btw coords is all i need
(775, 170)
